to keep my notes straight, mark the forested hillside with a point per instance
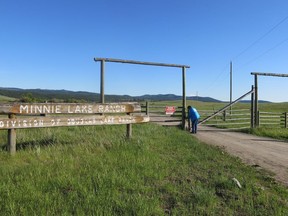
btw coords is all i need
(44, 95)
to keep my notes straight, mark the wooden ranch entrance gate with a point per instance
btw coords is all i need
(251, 92)
(279, 119)
(183, 67)
(37, 115)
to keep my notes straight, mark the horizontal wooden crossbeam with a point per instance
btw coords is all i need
(140, 62)
(269, 74)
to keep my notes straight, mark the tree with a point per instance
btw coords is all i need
(28, 98)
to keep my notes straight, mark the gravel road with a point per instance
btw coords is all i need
(267, 153)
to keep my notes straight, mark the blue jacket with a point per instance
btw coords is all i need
(193, 114)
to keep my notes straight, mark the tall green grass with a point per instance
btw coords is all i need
(97, 171)
(275, 133)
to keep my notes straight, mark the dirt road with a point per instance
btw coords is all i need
(267, 153)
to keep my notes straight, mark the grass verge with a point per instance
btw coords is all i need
(97, 171)
(275, 133)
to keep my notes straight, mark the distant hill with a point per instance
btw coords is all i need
(259, 101)
(167, 97)
(43, 95)
(58, 95)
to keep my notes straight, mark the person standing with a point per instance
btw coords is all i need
(193, 116)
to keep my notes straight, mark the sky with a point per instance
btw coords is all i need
(51, 44)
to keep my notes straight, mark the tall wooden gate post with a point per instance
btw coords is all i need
(11, 146)
(252, 108)
(102, 99)
(256, 114)
(183, 98)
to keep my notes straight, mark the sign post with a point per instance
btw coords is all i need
(11, 148)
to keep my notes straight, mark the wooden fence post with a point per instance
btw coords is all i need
(11, 146)
(147, 107)
(285, 119)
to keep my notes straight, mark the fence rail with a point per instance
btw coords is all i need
(241, 118)
(235, 119)
(232, 119)
(157, 114)
(276, 119)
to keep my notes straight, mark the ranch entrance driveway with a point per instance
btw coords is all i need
(267, 153)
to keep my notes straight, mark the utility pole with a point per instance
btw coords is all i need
(231, 86)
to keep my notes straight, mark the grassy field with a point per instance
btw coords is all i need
(266, 107)
(160, 171)
(276, 107)
(6, 99)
